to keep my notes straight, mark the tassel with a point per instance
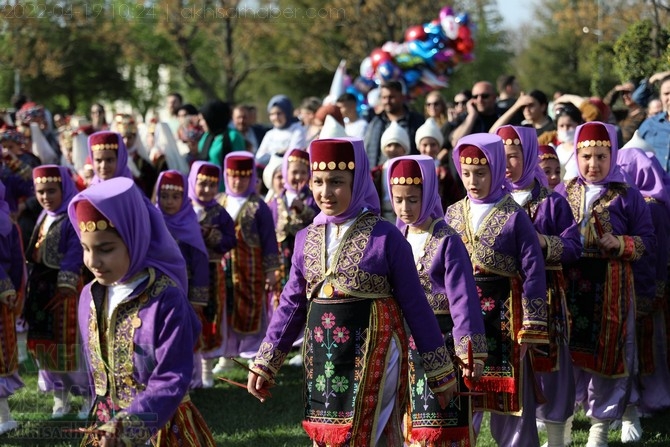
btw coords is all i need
(330, 434)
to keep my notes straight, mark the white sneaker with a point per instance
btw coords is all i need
(223, 365)
(631, 430)
(540, 425)
(60, 411)
(296, 361)
(8, 426)
(208, 382)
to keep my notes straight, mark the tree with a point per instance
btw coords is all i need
(633, 48)
(65, 54)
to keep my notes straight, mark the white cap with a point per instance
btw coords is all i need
(395, 134)
(332, 129)
(270, 169)
(429, 129)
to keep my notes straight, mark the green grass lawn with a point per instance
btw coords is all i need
(238, 420)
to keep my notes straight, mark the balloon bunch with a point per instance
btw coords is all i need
(424, 61)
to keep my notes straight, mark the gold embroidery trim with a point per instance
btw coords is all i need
(105, 147)
(48, 179)
(406, 180)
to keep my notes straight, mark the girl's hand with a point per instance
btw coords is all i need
(257, 386)
(271, 279)
(609, 244)
(444, 397)
(475, 373)
(9, 299)
(543, 241)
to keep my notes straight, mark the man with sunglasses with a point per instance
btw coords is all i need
(482, 112)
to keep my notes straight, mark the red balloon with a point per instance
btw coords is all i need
(378, 56)
(415, 32)
(464, 42)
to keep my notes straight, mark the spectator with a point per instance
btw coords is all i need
(656, 130)
(533, 106)
(98, 118)
(632, 115)
(482, 112)
(508, 91)
(287, 132)
(395, 109)
(252, 133)
(655, 107)
(354, 125)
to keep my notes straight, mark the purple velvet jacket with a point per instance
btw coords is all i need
(149, 343)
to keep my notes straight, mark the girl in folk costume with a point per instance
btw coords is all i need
(616, 230)
(510, 277)
(548, 161)
(253, 265)
(109, 156)
(218, 232)
(445, 274)
(653, 383)
(182, 223)
(293, 209)
(558, 235)
(55, 279)
(138, 329)
(12, 283)
(350, 284)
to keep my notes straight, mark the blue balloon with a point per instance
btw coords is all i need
(411, 77)
(388, 71)
(463, 19)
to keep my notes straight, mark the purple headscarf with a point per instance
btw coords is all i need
(363, 195)
(494, 151)
(193, 179)
(139, 224)
(645, 174)
(431, 205)
(284, 170)
(68, 188)
(254, 178)
(5, 219)
(122, 169)
(614, 174)
(531, 168)
(183, 225)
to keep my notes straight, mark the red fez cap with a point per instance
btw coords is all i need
(209, 172)
(240, 166)
(89, 218)
(298, 155)
(472, 155)
(331, 155)
(546, 152)
(105, 140)
(593, 134)
(406, 172)
(172, 181)
(47, 174)
(509, 136)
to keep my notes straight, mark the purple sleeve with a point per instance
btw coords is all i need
(73, 256)
(534, 285)
(464, 304)
(174, 334)
(289, 319)
(197, 263)
(266, 231)
(408, 292)
(555, 221)
(12, 262)
(226, 226)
